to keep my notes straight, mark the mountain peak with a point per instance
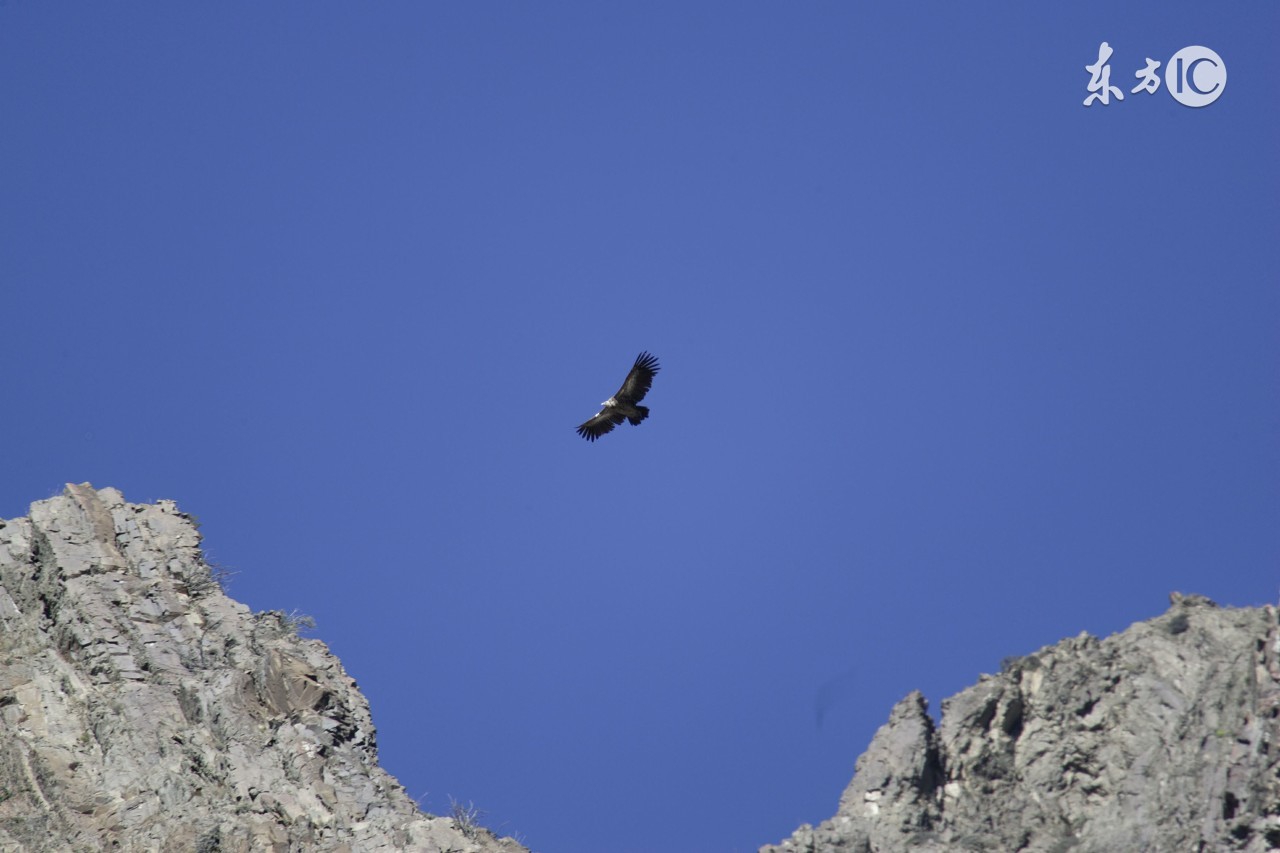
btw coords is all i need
(143, 709)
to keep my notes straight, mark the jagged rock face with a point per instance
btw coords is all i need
(143, 710)
(1163, 738)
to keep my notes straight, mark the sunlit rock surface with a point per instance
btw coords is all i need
(1163, 738)
(141, 709)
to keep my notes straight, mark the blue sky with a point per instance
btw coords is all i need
(953, 366)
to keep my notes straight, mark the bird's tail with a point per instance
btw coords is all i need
(642, 412)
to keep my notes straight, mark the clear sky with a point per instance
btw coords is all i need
(953, 366)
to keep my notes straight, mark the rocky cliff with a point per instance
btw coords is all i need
(141, 709)
(1163, 738)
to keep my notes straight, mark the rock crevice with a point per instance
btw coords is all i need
(1161, 738)
(143, 709)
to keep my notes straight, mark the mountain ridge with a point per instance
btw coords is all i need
(1159, 738)
(142, 709)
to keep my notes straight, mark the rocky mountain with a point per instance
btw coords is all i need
(1164, 738)
(141, 709)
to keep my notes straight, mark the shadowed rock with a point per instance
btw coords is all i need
(1165, 737)
(141, 709)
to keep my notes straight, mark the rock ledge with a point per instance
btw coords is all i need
(1162, 738)
(141, 709)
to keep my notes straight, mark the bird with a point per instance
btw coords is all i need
(623, 406)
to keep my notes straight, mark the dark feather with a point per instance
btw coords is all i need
(622, 407)
(639, 380)
(602, 423)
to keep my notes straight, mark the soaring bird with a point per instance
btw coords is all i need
(623, 406)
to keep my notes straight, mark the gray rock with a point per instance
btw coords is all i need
(141, 709)
(1165, 737)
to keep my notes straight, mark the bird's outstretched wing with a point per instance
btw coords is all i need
(604, 421)
(640, 379)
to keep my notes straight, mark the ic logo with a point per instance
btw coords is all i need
(1195, 76)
